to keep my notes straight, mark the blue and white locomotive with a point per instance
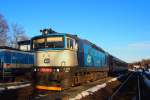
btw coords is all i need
(64, 60)
(15, 65)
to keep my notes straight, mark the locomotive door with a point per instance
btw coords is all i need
(2, 71)
(1, 66)
(110, 64)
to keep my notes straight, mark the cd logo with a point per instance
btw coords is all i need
(46, 60)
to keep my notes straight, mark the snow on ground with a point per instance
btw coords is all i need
(132, 70)
(147, 72)
(2, 89)
(13, 86)
(16, 87)
(147, 82)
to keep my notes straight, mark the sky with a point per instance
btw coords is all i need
(120, 27)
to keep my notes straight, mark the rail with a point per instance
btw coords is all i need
(139, 90)
(112, 96)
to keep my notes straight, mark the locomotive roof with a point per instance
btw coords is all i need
(93, 45)
(54, 34)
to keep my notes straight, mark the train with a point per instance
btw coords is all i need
(64, 60)
(15, 65)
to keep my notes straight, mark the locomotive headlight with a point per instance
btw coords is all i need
(57, 70)
(46, 32)
(35, 69)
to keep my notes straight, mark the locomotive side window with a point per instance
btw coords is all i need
(70, 43)
(76, 46)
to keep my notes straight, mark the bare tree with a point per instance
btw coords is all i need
(3, 31)
(18, 34)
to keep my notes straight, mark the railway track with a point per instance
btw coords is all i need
(121, 86)
(130, 89)
(130, 86)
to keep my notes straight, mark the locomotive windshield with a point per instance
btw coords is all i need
(48, 42)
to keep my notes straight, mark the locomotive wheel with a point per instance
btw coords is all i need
(23, 78)
(19, 79)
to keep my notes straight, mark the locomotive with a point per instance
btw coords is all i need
(15, 65)
(63, 60)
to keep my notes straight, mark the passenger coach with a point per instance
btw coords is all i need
(15, 65)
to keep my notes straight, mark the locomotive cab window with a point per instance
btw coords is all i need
(38, 43)
(49, 42)
(55, 42)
